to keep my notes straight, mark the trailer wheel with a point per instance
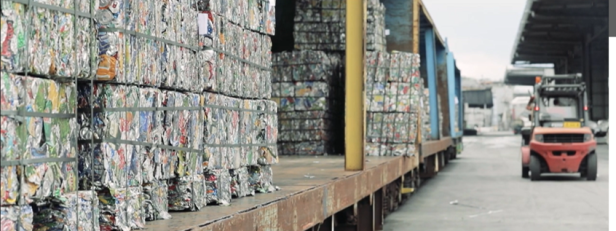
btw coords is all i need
(525, 172)
(591, 167)
(535, 168)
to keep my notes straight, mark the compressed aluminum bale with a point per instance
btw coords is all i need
(12, 27)
(111, 45)
(240, 186)
(207, 70)
(386, 149)
(88, 203)
(250, 124)
(206, 37)
(158, 163)
(241, 66)
(16, 218)
(121, 209)
(46, 55)
(75, 211)
(84, 49)
(306, 148)
(189, 163)
(165, 162)
(321, 25)
(221, 126)
(43, 95)
(110, 55)
(136, 47)
(393, 93)
(187, 193)
(11, 91)
(41, 137)
(54, 55)
(148, 166)
(261, 178)
(268, 153)
(110, 165)
(307, 87)
(389, 97)
(150, 122)
(427, 129)
(231, 73)
(177, 122)
(218, 185)
(156, 202)
(306, 66)
(9, 185)
(13, 136)
(377, 66)
(47, 180)
(270, 17)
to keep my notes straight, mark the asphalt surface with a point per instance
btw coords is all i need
(483, 190)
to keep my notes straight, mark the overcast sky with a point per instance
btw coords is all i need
(480, 33)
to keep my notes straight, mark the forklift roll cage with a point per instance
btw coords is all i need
(571, 85)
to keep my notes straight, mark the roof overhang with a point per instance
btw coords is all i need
(526, 75)
(425, 22)
(553, 31)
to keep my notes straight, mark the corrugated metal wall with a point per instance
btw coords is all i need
(599, 68)
(399, 21)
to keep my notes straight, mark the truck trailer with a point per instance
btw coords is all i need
(354, 191)
(150, 112)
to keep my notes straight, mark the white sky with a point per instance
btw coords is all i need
(480, 33)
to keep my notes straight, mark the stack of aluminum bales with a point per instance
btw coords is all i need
(308, 88)
(240, 120)
(139, 113)
(38, 175)
(393, 91)
(118, 107)
(151, 137)
(321, 25)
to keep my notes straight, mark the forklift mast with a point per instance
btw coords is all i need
(571, 85)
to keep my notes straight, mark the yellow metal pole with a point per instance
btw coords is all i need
(355, 113)
(416, 26)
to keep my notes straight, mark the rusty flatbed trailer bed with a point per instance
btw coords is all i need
(313, 190)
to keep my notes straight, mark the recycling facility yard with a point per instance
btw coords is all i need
(483, 190)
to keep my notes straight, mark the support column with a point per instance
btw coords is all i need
(355, 112)
(451, 84)
(377, 200)
(430, 44)
(365, 215)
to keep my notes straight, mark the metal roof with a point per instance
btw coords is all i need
(525, 75)
(553, 31)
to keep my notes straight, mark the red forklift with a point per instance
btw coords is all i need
(559, 139)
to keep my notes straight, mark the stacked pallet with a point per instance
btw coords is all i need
(307, 85)
(321, 25)
(136, 111)
(393, 89)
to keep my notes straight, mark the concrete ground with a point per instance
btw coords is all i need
(483, 190)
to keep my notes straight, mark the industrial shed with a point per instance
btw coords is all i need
(573, 36)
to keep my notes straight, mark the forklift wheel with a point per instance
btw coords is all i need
(535, 168)
(591, 167)
(525, 172)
